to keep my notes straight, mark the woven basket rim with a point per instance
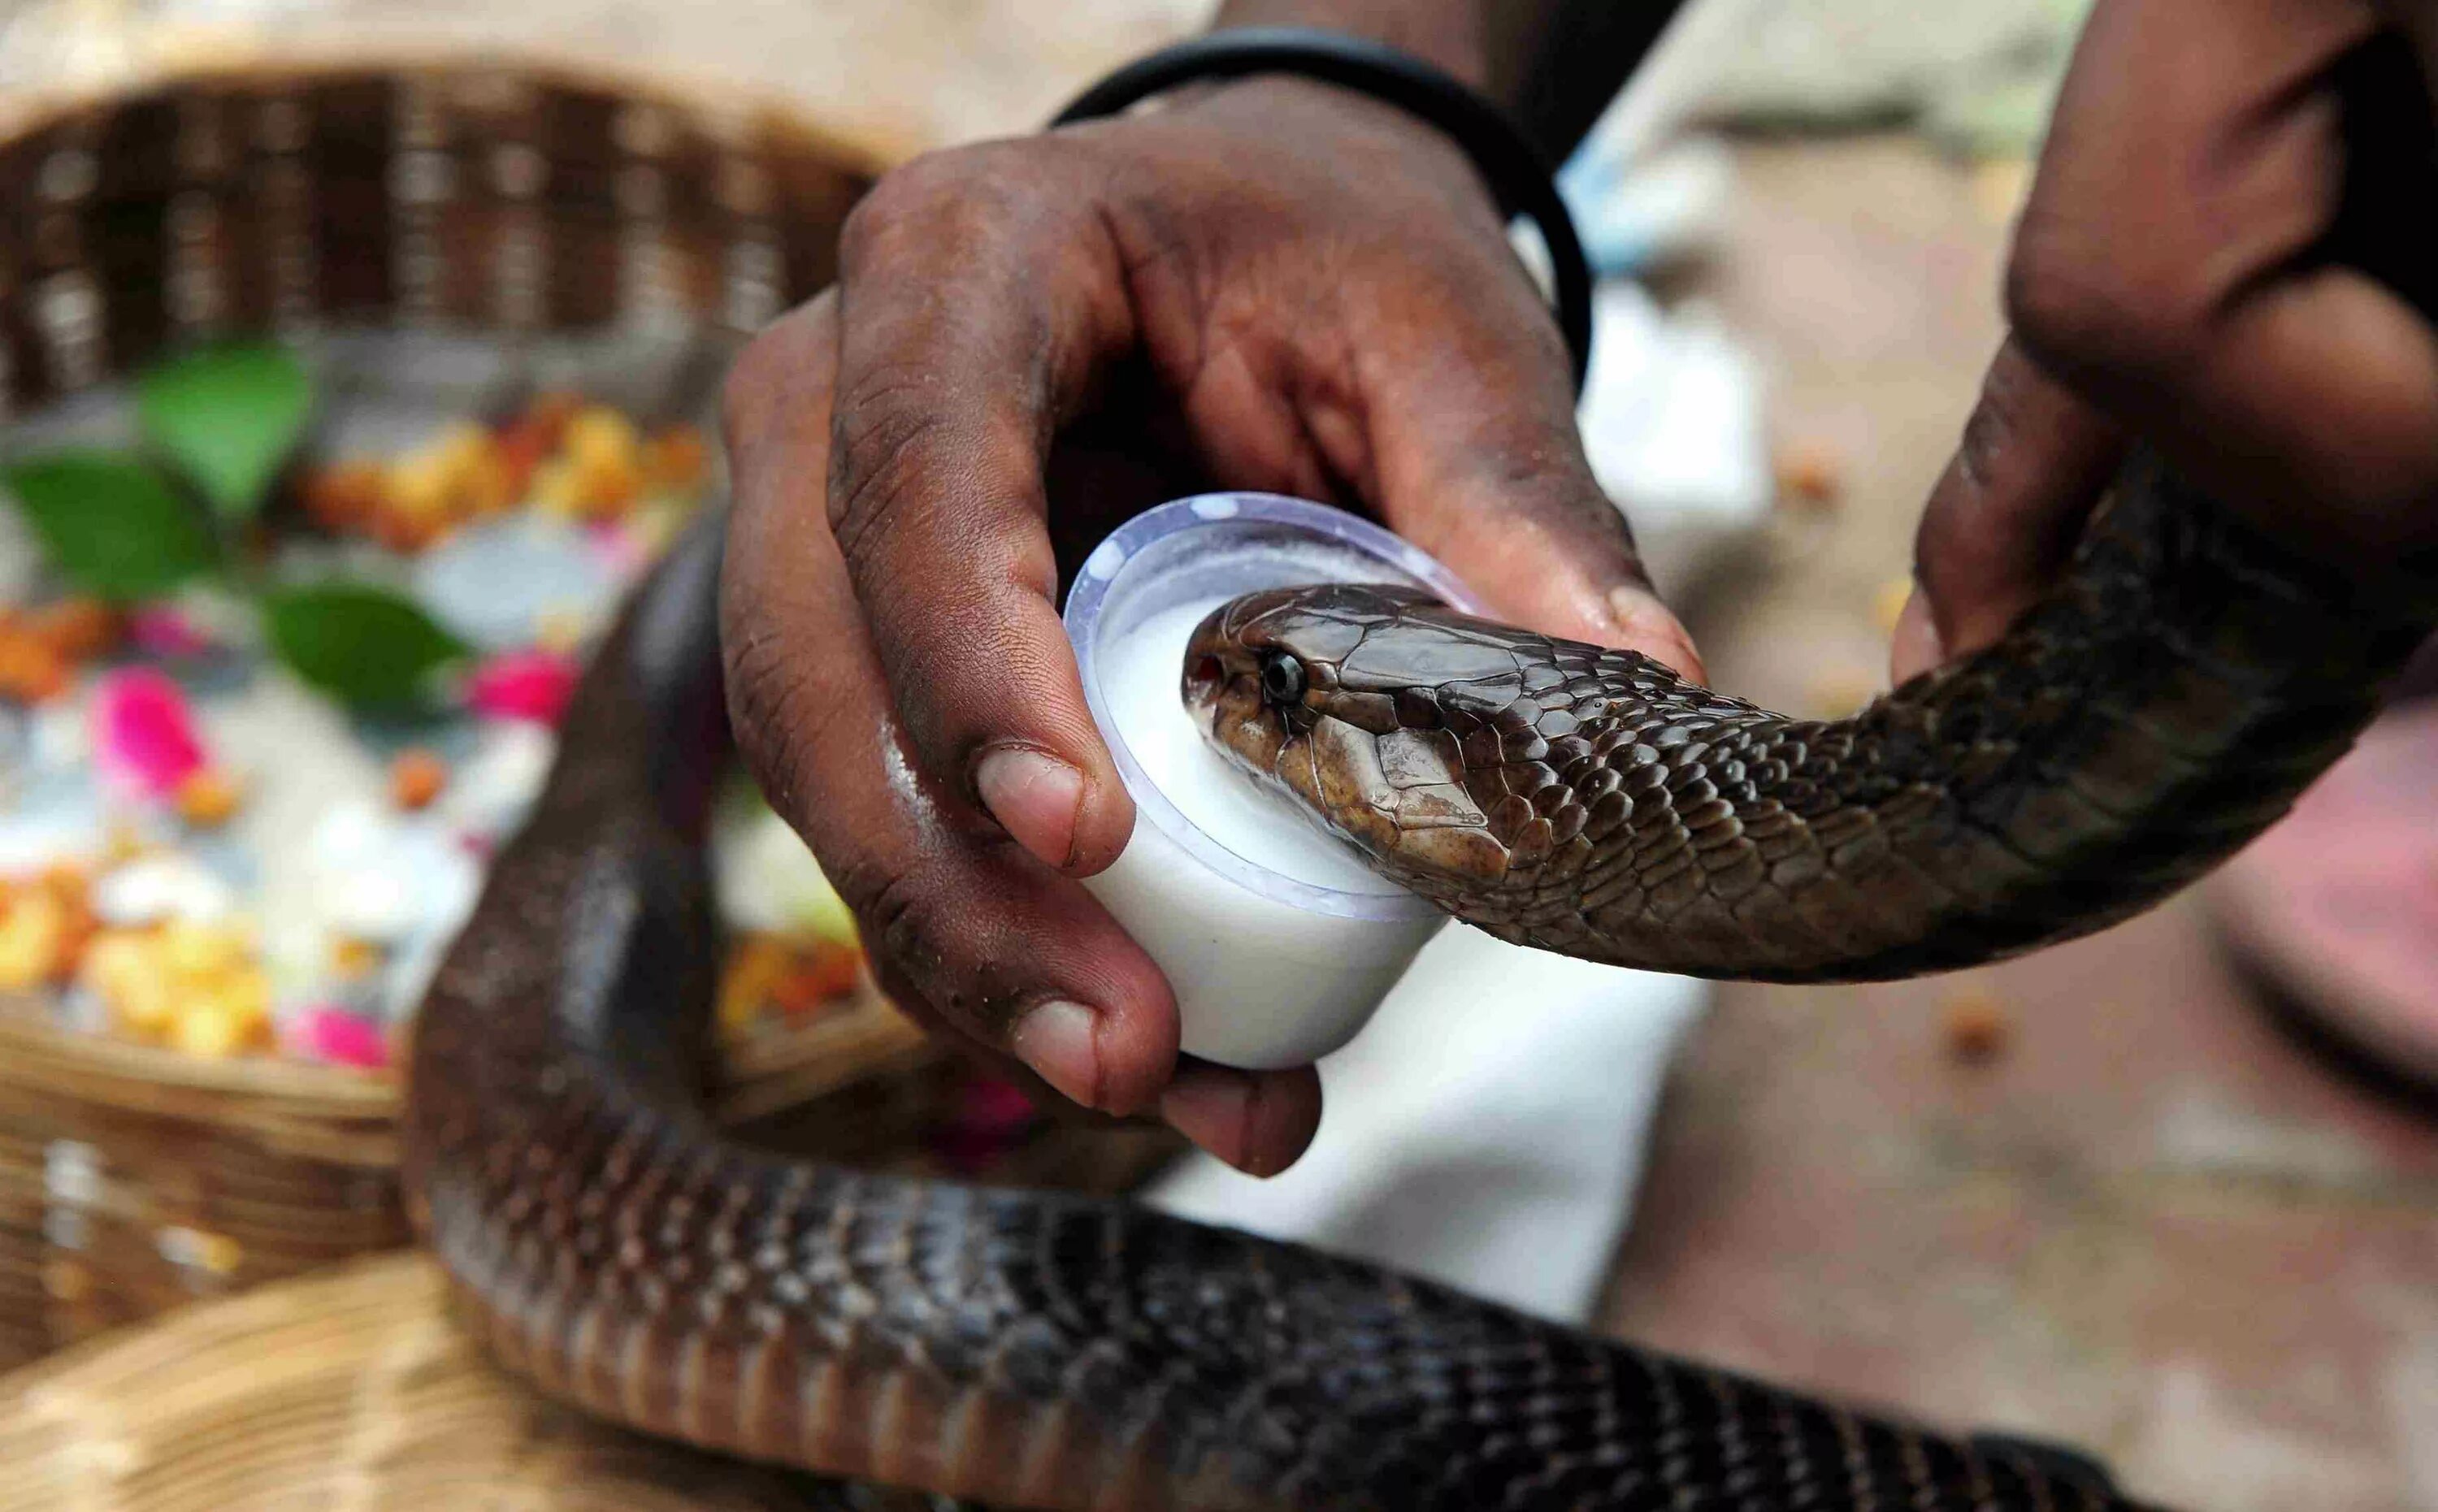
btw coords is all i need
(791, 119)
(31, 1049)
(865, 1035)
(414, 1268)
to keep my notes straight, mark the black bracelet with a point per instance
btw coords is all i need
(1518, 180)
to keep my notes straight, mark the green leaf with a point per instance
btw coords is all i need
(363, 645)
(228, 415)
(110, 525)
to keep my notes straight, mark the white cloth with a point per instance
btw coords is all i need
(1674, 421)
(1487, 1129)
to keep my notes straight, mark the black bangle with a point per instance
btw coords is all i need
(1518, 179)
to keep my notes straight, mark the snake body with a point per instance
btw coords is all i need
(1036, 1350)
(1054, 1352)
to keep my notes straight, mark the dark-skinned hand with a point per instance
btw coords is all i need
(1269, 285)
(2159, 288)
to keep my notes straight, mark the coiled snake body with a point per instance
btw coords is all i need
(1054, 1352)
(1051, 1351)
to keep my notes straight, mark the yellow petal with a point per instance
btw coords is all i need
(206, 1030)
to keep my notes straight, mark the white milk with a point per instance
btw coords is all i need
(1279, 942)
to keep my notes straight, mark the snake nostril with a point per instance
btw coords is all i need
(1203, 677)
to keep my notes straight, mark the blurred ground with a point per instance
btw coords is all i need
(2147, 1224)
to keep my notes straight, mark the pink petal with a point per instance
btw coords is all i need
(992, 1105)
(341, 1038)
(990, 1119)
(531, 685)
(144, 732)
(165, 630)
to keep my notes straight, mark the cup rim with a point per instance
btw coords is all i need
(1104, 572)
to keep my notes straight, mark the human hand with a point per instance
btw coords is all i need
(2159, 290)
(1271, 285)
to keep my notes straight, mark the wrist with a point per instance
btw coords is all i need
(1551, 66)
(1451, 35)
(1301, 114)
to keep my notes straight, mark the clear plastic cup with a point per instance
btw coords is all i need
(1270, 969)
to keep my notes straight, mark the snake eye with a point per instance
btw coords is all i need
(1282, 681)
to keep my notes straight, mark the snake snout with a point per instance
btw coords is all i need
(1205, 675)
(1212, 659)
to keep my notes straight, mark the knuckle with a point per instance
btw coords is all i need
(909, 909)
(905, 460)
(1947, 557)
(942, 204)
(775, 708)
(883, 460)
(1968, 535)
(1989, 433)
(907, 914)
(781, 371)
(2085, 303)
(901, 198)
(894, 909)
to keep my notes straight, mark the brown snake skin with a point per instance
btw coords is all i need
(1051, 1351)
(1022, 1349)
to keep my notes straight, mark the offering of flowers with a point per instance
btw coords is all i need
(264, 713)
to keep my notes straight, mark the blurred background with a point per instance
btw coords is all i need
(2100, 1192)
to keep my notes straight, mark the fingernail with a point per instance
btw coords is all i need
(1914, 645)
(1210, 1111)
(1646, 625)
(1628, 607)
(1035, 796)
(1057, 1040)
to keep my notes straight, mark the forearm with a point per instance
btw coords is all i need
(1554, 64)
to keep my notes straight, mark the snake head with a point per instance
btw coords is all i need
(1333, 695)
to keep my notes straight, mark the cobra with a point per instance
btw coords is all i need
(2167, 703)
(1037, 1350)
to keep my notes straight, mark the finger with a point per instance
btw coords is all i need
(2006, 514)
(1019, 958)
(1468, 421)
(2163, 269)
(1258, 1121)
(972, 321)
(1507, 497)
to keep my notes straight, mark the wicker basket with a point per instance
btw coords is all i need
(134, 1179)
(348, 1391)
(515, 212)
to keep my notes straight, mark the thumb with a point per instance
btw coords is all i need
(2006, 514)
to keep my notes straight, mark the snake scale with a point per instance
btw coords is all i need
(1036, 1350)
